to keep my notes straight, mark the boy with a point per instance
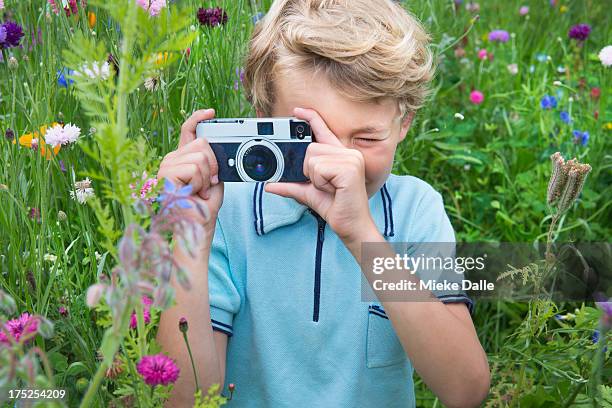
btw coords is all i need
(280, 261)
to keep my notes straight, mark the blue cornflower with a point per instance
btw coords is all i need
(61, 77)
(175, 195)
(581, 137)
(565, 117)
(548, 102)
(257, 17)
(595, 339)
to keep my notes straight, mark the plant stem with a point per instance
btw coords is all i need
(87, 400)
(195, 374)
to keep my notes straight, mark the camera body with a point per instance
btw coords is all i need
(258, 149)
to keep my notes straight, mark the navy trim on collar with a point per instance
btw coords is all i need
(258, 221)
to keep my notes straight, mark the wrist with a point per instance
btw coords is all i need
(366, 232)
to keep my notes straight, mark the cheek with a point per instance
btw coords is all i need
(378, 161)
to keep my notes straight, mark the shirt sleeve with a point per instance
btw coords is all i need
(223, 295)
(434, 241)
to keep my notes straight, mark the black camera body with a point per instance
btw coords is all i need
(258, 149)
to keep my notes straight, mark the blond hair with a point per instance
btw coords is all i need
(368, 50)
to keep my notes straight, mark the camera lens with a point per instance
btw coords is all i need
(299, 128)
(259, 163)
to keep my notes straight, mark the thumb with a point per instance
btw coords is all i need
(296, 191)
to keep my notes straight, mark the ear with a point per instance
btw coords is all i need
(405, 125)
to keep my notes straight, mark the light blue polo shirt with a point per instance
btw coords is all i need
(287, 292)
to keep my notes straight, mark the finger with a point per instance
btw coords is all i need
(201, 145)
(200, 159)
(319, 149)
(297, 191)
(188, 130)
(319, 127)
(318, 172)
(185, 174)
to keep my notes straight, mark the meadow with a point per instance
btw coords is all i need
(93, 95)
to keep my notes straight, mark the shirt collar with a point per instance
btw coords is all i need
(271, 211)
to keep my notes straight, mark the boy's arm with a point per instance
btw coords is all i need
(208, 347)
(440, 339)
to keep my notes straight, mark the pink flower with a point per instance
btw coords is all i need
(1, 4)
(158, 369)
(476, 97)
(482, 54)
(147, 302)
(524, 10)
(152, 6)
(22, 326)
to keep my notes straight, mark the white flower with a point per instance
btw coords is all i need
(62, 135)
(50, 257)
(605, 56)
(95, 70)
(98, 256)
(459, 116)
(513, 69)
(151, 84)
(83, 191)
(557, 83)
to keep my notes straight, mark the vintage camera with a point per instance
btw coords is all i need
(258, 149)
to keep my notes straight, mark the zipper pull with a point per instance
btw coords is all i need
(321, 229)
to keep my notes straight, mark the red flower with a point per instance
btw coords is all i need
(595, 93)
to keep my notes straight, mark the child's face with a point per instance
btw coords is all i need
(348, 120)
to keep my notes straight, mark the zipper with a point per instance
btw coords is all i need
(317, 278)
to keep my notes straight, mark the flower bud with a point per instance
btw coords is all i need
(61, 215)
(12, 62)
(183, 325)
(94, 294)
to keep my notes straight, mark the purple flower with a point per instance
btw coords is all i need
(175, 195)
(2, 34)
(548, 102)
(212, 16)
(239, 74)
(499, 35)
(24, 325)
(146, 302)
(565, 117)
(14, 33)
(579, 32)
(158, 369)
(581, 137)
(9, 134)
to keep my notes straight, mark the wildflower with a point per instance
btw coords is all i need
(61, 77)
(1, 4)
(548, 102)
(541, 57)
(581, 137)
(565, 117)
(62, 311)
(114, 62)
(176, 195)
(9, 134)
(240, 75)
(183, 325)
(579, 32)
(595, 93)
(459, 116)
(472, 7)
(158, 369)
(563, 9)
(146, 302)
(606, 306)
(231, 388)
(50, 258)
(568, 316)
(62, 135)
(25, 325)
(212, 16)
(94, 294)
(62, 167)
(459, 52)
(83, 191)
(95, 70)
(482, 54)
(91, 19)
(513, 69)
(566, 181)
(524, 10)
(151, 84)
(499, 36)
(476, 97)
(152, 6)
(13, 33)
(12, 62)
(34, 214)
(257, 17)
(605, 56)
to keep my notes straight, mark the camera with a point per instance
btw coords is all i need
(258, 149)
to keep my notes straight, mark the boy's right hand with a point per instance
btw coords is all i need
(194, 163)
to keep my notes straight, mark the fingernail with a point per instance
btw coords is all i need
(215, 179)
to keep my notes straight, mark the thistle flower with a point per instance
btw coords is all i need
(62, 135)
(605, 56)
(83, 191)
(23, 327)
(212, 16)
(158, 369)
(499, 36)
(579, 32)
(548, 102)
(476, 97)
(13, 33)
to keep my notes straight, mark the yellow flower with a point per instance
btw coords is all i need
(608, 126)
(563, 8)
(38, 135)
(91, 18)
(162, 58)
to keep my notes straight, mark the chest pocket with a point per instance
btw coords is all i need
(383, 347)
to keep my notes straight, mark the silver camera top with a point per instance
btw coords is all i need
(287, 129)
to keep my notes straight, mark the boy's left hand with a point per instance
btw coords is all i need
(337, 189)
